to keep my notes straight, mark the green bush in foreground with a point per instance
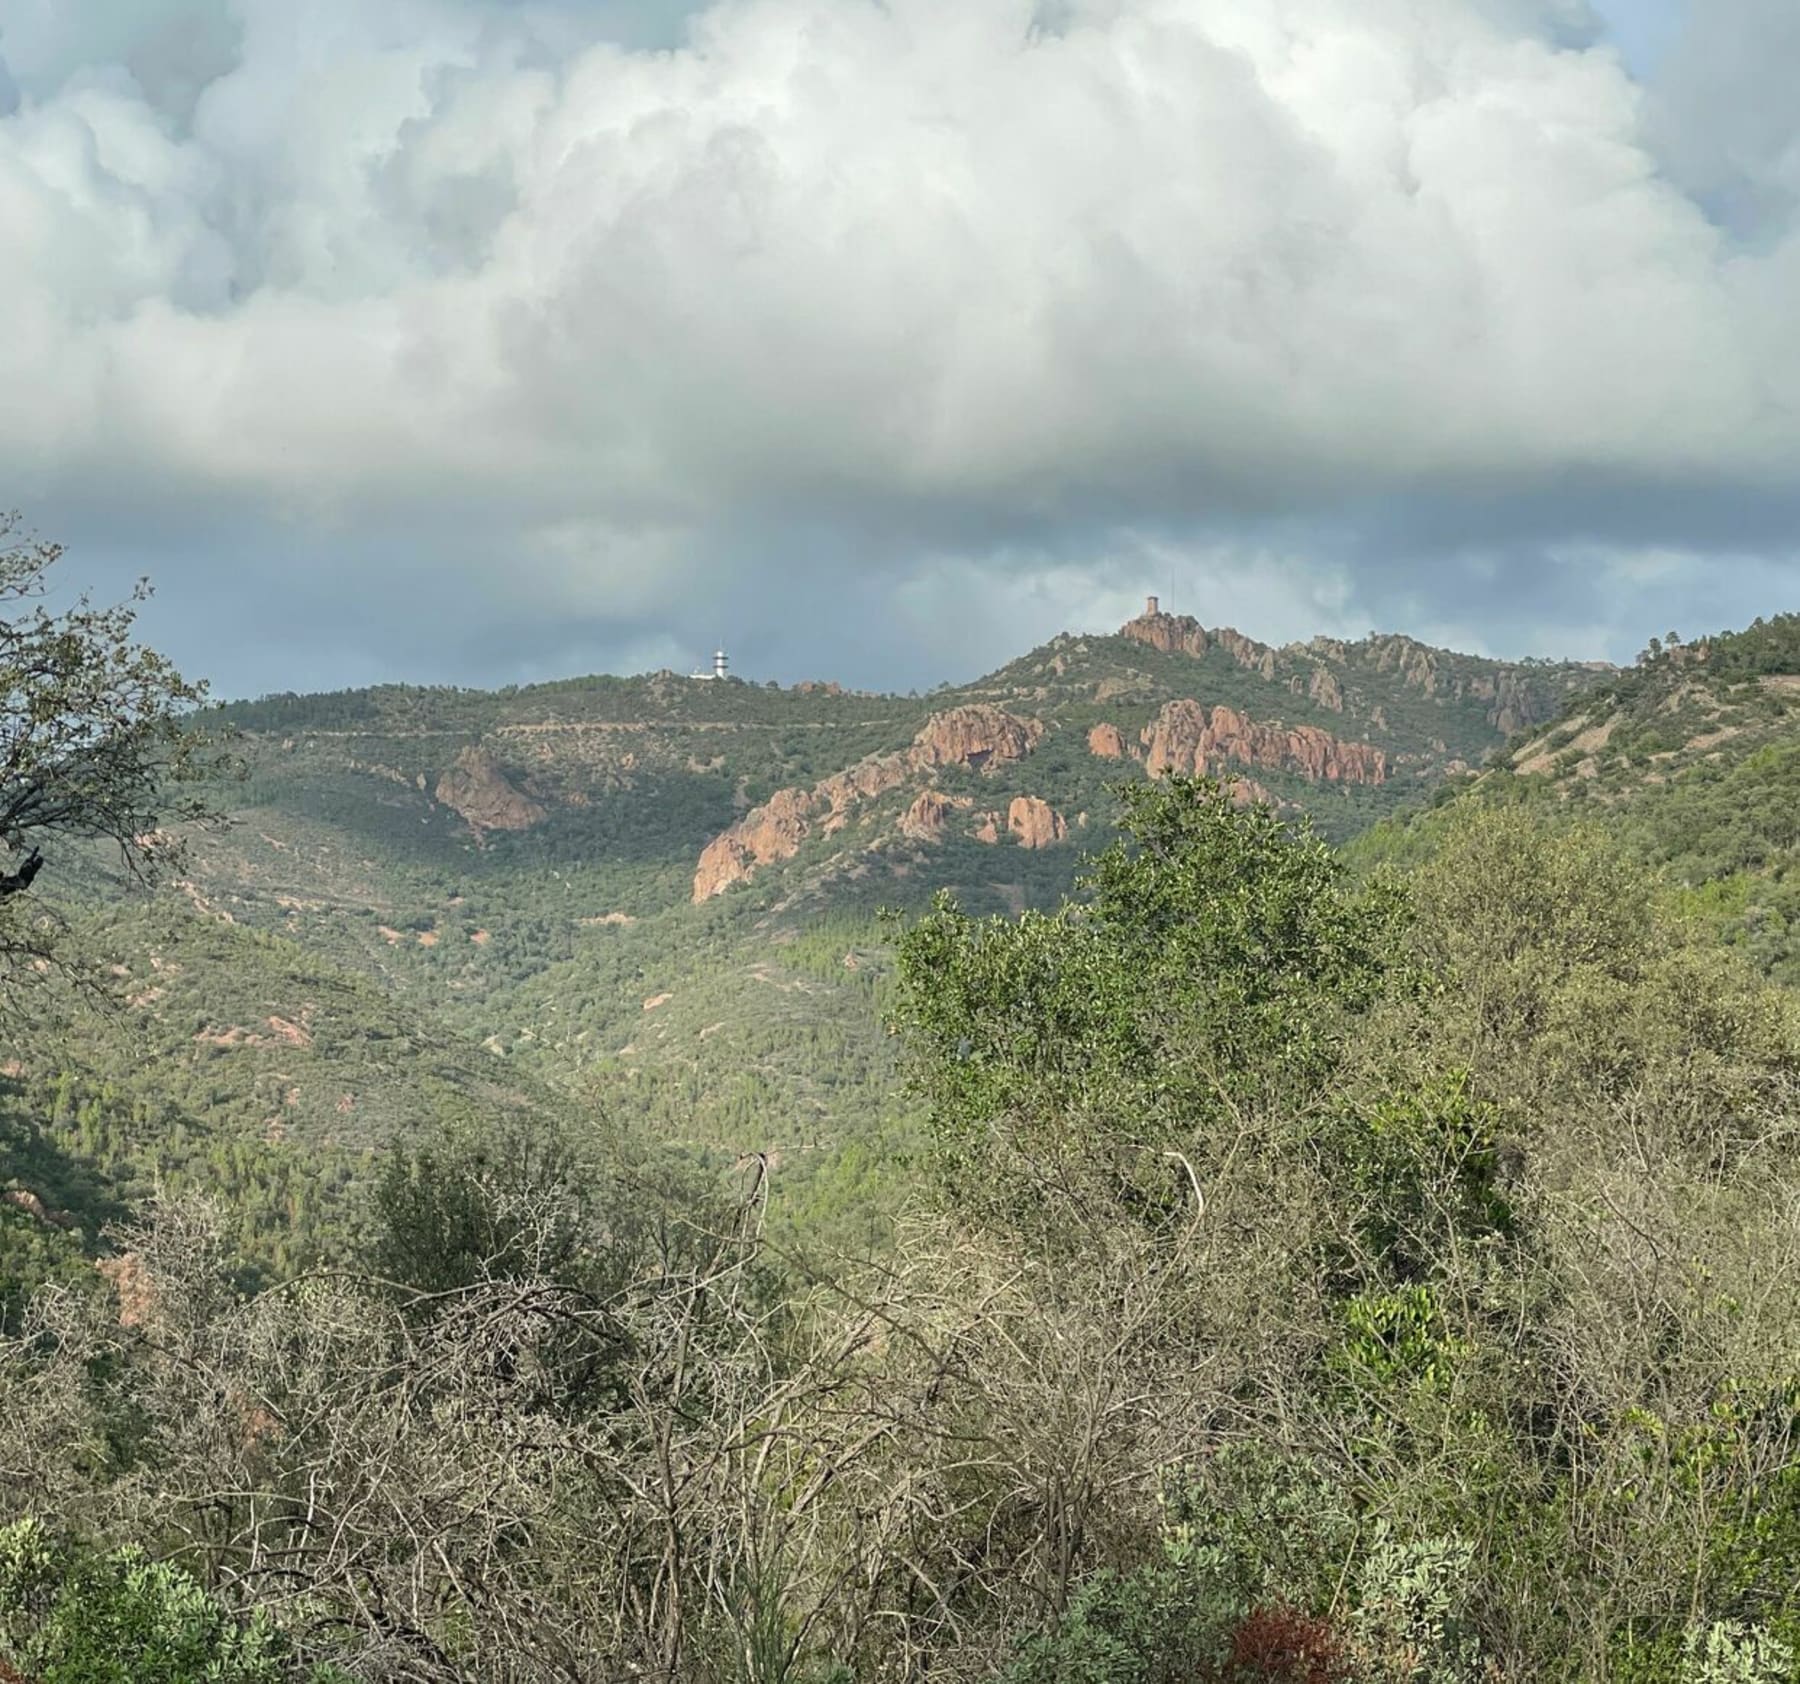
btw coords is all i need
(70, 1614)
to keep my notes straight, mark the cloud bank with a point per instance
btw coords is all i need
(456, 339)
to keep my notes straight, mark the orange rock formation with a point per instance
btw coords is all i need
(1108, 742)
(1185, 738)
(977, 736)
(1035, 823)
(980, 737)
(1182, 634)
(925, 819)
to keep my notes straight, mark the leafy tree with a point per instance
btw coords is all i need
(1215, 964)
(97, 739)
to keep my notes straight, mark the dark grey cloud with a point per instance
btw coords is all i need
(465, 340)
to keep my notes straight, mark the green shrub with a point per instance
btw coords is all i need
(1727, 1652)
(70, 1614)
(1411, 1615)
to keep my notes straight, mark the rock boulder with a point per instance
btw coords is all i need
(480, 793)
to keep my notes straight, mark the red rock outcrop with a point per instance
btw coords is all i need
(925, 819)
(1325, 689)
(771, 832)
(482, 795)
(1175, 741)
(1173, 634)
(988, 830)
(979, 736)
(1185, 738)
(1416, 663)
(1035, 823)
(1182, 634)
(870, 777)
(723, 861)
(1107, 742)
(1246, 651)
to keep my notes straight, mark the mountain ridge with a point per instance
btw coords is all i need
(520, 752)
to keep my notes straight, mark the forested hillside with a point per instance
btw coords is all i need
(654, 902)
(1381, 1281)
(1692, 759)
(506, 1207)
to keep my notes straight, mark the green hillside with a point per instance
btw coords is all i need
(544, 943)
(235, 1062)
(1692, 759)
(1379, 1282)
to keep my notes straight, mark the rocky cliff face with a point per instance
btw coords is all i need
(862, 782)
(1517, 703)
(771, 832)
(481, 794)
(926, 818)
(1515, 697)
(1325, 689)
(1415, 663)
(980, 737)
(1173, 634)
(977, 736)
(1187, 738)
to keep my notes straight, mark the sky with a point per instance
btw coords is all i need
(486, 341)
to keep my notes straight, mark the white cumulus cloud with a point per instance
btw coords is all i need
(815, 299)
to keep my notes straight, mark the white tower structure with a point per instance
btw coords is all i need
(721, 666)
